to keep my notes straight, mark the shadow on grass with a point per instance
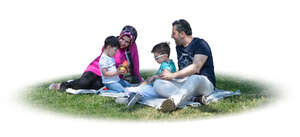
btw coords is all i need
(253, 94)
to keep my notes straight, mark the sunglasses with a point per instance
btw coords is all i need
(157, 57)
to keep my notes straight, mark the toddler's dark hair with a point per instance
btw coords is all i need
(112, 41)
(161, 48)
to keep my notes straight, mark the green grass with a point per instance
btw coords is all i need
(254, 94)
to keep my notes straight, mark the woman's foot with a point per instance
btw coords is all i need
(54, 86)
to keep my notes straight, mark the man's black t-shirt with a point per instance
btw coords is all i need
(185, 56)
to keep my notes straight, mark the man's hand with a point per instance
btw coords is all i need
(167, 75)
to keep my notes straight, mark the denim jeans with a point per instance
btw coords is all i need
(118, 86)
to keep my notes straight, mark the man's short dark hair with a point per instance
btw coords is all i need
(183, 25)
(161, 48)
(112, 41)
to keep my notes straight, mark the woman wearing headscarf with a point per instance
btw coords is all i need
(91, 78)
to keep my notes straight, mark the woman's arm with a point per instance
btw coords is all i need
(135, 60)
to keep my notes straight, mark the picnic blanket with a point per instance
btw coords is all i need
(149, 96)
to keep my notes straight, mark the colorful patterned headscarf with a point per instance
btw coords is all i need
(130, 32)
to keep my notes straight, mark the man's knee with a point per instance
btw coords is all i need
(204, 86)
(159, 83)
(198, 78)
(164, 88)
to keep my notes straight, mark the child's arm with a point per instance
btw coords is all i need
(143, 83)
(149, 80)
(109, 74)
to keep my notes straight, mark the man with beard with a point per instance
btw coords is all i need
(196, 76)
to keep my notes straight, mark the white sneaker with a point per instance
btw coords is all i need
(204, 100)
(193, 104)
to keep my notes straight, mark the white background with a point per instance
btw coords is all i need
(44, 40)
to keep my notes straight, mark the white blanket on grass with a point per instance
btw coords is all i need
(150, 98)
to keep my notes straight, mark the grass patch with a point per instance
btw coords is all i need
(253, 95)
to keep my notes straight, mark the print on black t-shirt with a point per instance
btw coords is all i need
(184, 60)
(185, 56)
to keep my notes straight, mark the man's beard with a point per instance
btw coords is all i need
(178, 42)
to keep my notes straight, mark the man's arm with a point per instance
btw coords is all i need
(198, 62)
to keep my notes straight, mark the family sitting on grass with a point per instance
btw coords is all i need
(193, 82)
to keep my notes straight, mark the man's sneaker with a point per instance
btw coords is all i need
(201, 99)
(195, 99)
(204, 100)
(193, 104)
(54, 86)
(133, 99)
(168, 106)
